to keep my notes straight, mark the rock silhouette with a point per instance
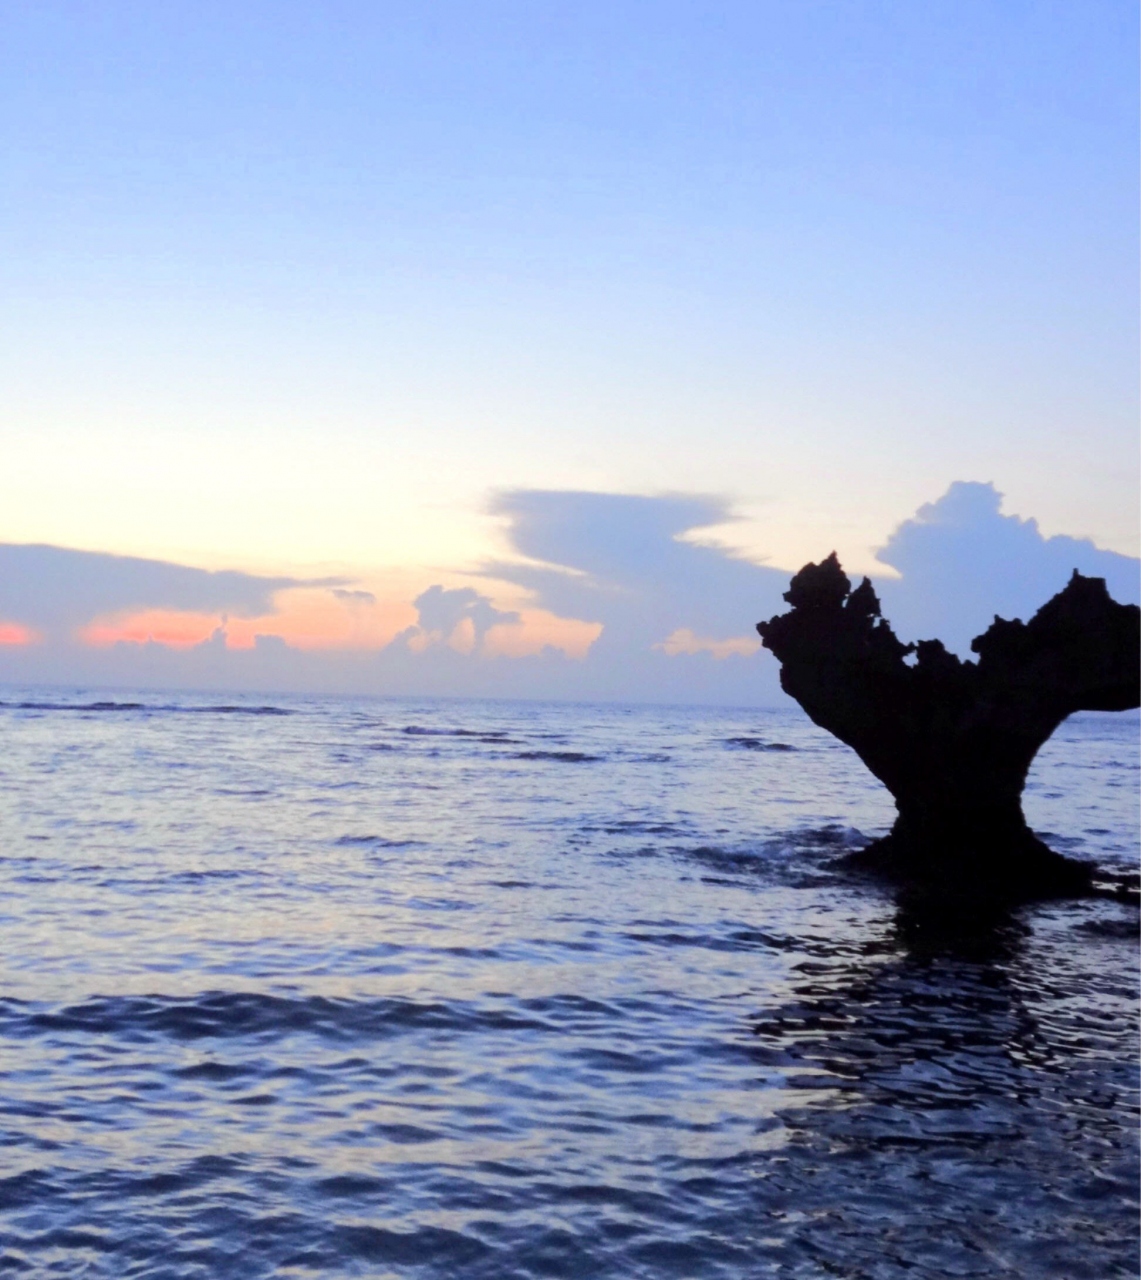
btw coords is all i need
(952, 740)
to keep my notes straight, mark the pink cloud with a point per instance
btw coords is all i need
(683, 640)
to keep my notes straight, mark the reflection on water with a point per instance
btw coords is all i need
(977, 1119)
(491, 990)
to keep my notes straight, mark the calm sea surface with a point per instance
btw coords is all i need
(326, 987)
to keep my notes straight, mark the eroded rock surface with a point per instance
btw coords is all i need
(953, 740)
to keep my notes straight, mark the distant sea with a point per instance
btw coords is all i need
(318, 987)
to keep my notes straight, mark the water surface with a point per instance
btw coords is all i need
(331, 987)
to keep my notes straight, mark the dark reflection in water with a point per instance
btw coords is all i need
(972, 1125)
(404, 990)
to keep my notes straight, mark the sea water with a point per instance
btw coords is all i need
(308, 987)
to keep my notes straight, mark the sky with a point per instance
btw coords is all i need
(528, 348)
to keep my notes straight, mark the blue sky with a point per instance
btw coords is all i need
(301, 290)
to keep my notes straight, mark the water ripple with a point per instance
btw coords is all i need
(336, 988)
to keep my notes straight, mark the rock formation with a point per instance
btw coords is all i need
(952, 740)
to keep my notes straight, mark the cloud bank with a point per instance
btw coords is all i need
(54, 588)
(677, 616)
(599, 596)
(961, 562)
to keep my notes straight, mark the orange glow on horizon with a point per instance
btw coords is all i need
(319, 619)
(167, 627)
(306, 619)
(536, 630)
(13, 633)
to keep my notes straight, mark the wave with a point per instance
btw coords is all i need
(246, 1015)
(240, 1238)
(377, 842)
(568, 757)
(229, 710)
(75, 706)
(639, 826)
(224, 709)
(481, 735)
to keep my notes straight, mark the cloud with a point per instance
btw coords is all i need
(615, 562)
(961, 562)
(618, 538)
(615, 601)
(55, 588)
(623, 560)
(683, 640)
(461, 617)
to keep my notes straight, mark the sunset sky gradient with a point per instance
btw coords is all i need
(316, 292)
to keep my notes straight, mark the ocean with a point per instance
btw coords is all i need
(331, 987)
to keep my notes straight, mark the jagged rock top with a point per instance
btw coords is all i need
(1080, 648)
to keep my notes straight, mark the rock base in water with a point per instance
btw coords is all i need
(952, 740)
